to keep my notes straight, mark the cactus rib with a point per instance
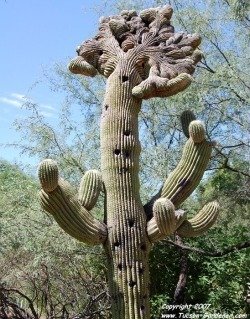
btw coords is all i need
(199, 224)
(163, 223)
(90, 187)
(188, 173)
(57, 198)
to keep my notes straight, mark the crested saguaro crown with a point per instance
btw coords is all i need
(163, 59)
(142, 57)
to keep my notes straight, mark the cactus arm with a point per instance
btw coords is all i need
(165, 220)
(188, 173)
(186, 118)
(58, 199)
(180, 184)
(90, 187)
(199, 224)
(80, 66)
(157, 86)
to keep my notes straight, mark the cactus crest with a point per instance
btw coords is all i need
(48, 175)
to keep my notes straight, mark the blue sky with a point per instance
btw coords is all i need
(34, 34)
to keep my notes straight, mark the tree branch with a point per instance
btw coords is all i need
(179, 294)
(218, 254)
(221, 52)
(205, 66)
(227, 166)
(30, 302)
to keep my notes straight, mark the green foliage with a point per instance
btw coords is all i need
(38, 258)
(163, 275)
(232, 190)
(221, 282)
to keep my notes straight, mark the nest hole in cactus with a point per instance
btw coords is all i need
(124, 78)
(131, 222)
(141, 271)
(116, 244)
(119, 266)
(123, 170)
(132, 283)
(127, 132)
(117, 151)
(127, 153)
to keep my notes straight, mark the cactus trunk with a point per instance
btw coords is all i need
(127, 245)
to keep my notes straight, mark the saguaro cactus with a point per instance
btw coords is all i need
(142, 57)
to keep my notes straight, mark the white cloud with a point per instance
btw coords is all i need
(47, 107)
(17, 100)
(13, 102)
(19, 96)
(47, 114)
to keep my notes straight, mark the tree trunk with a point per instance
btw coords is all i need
(179, 295)
(127, 245)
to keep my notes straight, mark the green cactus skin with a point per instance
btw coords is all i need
(48, 175)
(196, 131)
(187, 175)
(163, 222)
(68, 211)
(136, 54)
(180, 216)
(127, 246)
(90, 188)
(201, 222)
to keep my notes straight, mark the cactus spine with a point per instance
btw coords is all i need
(142, 57)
